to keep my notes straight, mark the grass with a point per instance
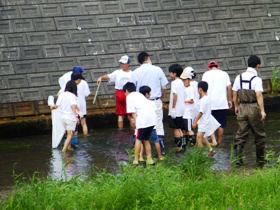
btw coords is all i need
(186, 182)
(275, 81)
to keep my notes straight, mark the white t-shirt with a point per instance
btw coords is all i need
(218, 81)
(256, 83)
(177, 87)
(120, 78)
(145, 111)
(205, 108)
(150, 75)
(64, 79)
(190, 109)
(64, 102)
(83, 92)
(196, 95)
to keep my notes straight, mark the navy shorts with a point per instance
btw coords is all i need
(176, 123)
(221, 116)
(144, 133)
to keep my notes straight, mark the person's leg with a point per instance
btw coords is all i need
(157, 144)
(131, 121)
(258, 130)
(137, 148)
(67, 144)
(147, 148)
(141, 157)
(213, 140)
(199, 137)
(159, 126)
(84, 126)
(220, 133)
(120, 121)
(241, 136)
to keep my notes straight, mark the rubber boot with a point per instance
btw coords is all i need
(74, 141)
(260, 157)
(192, 140)
(238, 155)
(133, 139)
(185, 142)
(161, 143)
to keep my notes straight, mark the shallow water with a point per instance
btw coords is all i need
(106, 148)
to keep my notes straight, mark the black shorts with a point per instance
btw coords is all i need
(187, 124)
(144, 133)
(176, 123)
(221, 116)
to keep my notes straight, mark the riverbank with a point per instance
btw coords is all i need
(42, 124)
(186, 182)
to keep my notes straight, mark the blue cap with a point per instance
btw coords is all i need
(78, 69)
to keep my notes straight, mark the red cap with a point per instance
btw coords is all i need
(212, 63)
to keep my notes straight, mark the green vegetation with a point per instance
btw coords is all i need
(275, 81)
(185, 182)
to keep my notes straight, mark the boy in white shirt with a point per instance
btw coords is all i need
(120, 77)
(145, 118)
(190, 105)
(176, 104)
(146, 91)
(205, 122)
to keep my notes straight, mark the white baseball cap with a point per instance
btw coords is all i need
(187, 73)
(125, 59)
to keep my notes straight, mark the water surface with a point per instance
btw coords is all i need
(106, 148)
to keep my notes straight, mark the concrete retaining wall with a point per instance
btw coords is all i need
(42, 39)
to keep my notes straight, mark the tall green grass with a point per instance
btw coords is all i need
(186, 182)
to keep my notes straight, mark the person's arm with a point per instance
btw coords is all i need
(260, 103)
(229, 95)
(174, 100)
(134, 116)
(104, 77)
(163, 90)
(235, 101)
(199, 115)
(74, 109)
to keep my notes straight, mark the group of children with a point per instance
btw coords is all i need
(189, 108)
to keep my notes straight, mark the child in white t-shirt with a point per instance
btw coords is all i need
(176, 104)
(120, 77)
(205, 122)
(146, 91)
(145, 117)
(67, 105)
(190, 105)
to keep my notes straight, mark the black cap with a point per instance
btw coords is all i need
(76, 75)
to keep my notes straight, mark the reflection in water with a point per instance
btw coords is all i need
(105, 148)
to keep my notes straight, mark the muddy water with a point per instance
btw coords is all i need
(106, 148)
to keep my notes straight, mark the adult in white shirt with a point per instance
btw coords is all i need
(154, 77)
(220, 94)
(249, 108)
(83, 93)
(120, 77)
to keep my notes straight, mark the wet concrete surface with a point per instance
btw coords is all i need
(106, 148)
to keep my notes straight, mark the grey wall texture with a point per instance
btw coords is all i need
(42, 39)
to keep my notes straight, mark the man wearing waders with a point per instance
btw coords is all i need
(249, 108)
